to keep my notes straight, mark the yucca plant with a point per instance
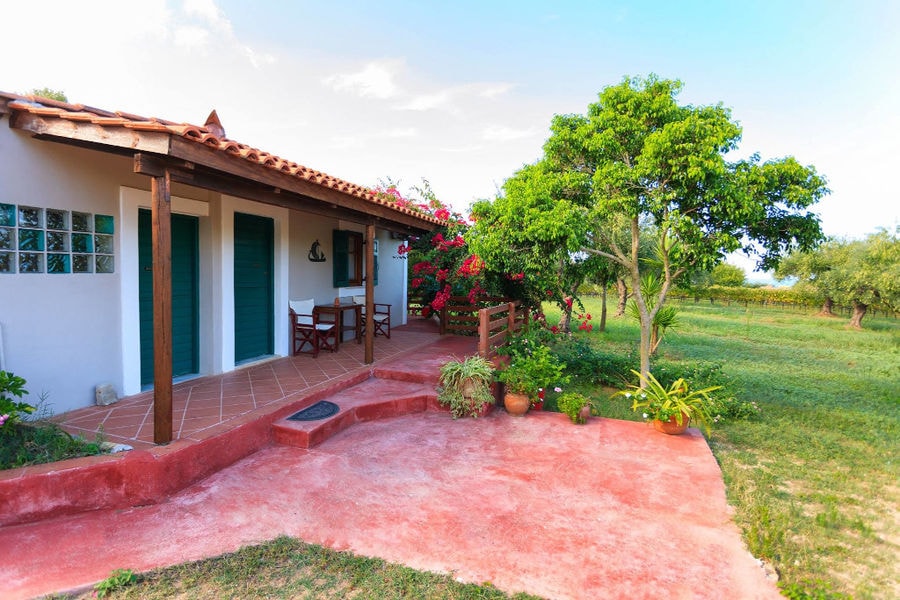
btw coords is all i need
(659, 403)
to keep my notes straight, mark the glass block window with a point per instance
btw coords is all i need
(50, 240)
(7, 215)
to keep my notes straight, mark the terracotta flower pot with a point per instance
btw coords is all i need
(584, 414)
(516, 404)
(671, 426)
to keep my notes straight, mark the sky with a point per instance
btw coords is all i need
(462, 93)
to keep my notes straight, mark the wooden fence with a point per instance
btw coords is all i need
(489, 318)
(495, 324)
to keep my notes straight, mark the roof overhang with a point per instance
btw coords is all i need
(193, 156)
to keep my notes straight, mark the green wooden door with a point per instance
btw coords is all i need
(253, 287)
(185, 295)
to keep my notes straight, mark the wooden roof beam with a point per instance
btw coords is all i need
(67, 130)
(186, 172)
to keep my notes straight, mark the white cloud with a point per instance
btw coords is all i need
(375, 80)
(495, 89)
(191, 37)
(209, 12)
(405, 132)
(500, 133)
(257, 59)
(428, 101)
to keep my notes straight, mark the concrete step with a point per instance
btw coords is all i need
(375, 398)
(425, 367)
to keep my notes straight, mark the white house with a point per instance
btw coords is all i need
(80, 189)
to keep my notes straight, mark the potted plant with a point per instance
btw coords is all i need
(576, 406)
(672, 408)
(465, 386)
(526, 374)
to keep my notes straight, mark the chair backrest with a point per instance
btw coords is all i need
(359, 299)
(303, 310)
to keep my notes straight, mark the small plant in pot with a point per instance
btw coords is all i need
(465, 386)
(526, 375)
(576, 406)
(671, 409)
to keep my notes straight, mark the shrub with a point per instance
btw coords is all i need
(11, 387)
(588, 364)
(724, 404)
(571, 404)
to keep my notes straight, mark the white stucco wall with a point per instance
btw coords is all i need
(62, 332)
(67, 333)
(310, 279)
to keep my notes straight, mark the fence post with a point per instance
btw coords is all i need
(483, 332)
(511, 318)
(443, 327)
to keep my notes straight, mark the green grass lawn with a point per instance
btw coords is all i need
(288, 568)
(814, 480)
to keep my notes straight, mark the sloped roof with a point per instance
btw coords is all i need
(199, 134)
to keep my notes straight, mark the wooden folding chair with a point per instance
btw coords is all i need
(381, 320)
(308, 331)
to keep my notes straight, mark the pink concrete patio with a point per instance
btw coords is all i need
(611, 509)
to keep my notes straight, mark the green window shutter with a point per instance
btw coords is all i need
(376, 270)
(341, 270)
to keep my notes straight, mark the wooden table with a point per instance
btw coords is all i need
(338, 311)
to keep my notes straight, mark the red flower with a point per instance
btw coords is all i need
(554, 329)
(471, 266)
(423, 267)
(416, 282)
(568, 301)
(443, 214)
(426, 310)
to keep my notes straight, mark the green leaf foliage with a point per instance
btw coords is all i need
(638, 160)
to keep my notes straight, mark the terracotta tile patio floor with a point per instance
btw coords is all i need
(205, 406)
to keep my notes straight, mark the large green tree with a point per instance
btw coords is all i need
(533, 232)
(810, 268)
(861, 273)
(640, 159)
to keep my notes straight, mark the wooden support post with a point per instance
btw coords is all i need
(370, 295)
(484, 333)
(161, 217)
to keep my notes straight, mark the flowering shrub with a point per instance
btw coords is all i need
(440, 264)
(11, 387)
(533, 369)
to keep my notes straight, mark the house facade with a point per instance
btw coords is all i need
(248, 231)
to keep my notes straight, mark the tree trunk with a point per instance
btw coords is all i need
(622, 288)
(654, 339)
(645, 345)
(603, 309)
(565, 322)
(859, 311)
(827, 308)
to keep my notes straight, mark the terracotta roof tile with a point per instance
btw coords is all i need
(47, 107)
